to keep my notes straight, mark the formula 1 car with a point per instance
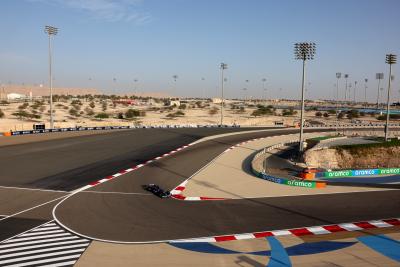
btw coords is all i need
(156, 190)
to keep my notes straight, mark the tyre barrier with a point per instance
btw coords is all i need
(279, 180)
(74, 129)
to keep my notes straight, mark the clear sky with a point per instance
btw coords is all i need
(151, 40)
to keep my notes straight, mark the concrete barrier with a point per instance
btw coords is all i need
(259, 170)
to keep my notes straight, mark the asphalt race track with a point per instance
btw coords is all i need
(121, 211)
(70, 163)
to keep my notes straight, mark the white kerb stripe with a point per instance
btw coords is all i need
(281, 232)
(192, 198)
(102, 180)
(116, 175)
(244, 236)
(350, 226)
(380, 224)
(318, 230)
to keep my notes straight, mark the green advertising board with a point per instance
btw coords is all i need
(355, 173)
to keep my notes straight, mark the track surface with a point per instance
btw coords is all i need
(122, 214)
(104, 213)
(69, 163)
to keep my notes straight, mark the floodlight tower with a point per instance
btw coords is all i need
(303, 51)
(365, 91)
(379, 77)
(204, 89)
(338, 76)
(135, 81)
(222, 66)
(390, 59)
(346, 76)
(175, 77)
(50, 30)
(355, 89)
(264, 89)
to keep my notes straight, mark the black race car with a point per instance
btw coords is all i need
(156, 190)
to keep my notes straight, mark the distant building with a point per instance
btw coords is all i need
(175, 102)
(15, 96)
(216, 100)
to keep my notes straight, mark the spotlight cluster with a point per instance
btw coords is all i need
(50, 30)
(304, 51)
(391, 59)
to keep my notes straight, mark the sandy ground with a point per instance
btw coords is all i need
(106, 254)
(192, 116)
(229, 176)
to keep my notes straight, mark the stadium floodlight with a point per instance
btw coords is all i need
(365, 91)
(355, 89)
(338, 76)
(204, 89)
(222, 66)
(390, 59)
(379, 77)
(346, 76)
(135, 81)
(264, 89)
(303, 51)
(50, 30)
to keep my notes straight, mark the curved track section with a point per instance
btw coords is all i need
(119, 211)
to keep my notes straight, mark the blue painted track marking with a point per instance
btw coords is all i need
(383, 244)
(296, 250)
(279, 256)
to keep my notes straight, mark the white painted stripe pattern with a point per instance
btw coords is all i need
(47, 245)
